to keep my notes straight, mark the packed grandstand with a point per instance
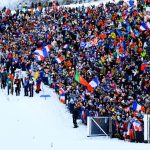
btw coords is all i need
(95, 57)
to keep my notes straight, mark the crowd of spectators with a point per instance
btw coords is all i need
(104, 41)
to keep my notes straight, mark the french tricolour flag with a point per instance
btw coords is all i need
(143, 27)
(137, 107)
(95, 82)
(137, 126)
(132, 33)
(39, 51)
(46, 50)
(59, 84)
(62, 98)
(61, 91)
(38, 57)
(59, 59)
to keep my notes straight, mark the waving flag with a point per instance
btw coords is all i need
(132, 33)
(39, 51)
(38, 58)
(43, 52)
(137, 107)
(38, 54)
(95, 82)
(59, 59)
(46, 50)
(137, 126)
(62, 98)
(148, 24)
(59, 85)
(82, 81)
(61, 91)
(143, 27)
(48, 47)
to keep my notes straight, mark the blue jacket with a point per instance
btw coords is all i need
(38, 81)
(26, 83)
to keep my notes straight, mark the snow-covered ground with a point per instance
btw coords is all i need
(38, 124)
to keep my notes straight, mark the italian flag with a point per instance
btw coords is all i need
(82, 81)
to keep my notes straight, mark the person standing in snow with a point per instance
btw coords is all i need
(38, 85)
(75, 115)
(31, 87)
(9, 84)
(12, 85)
(18, 72)
(3, 79)
(26, 86)
(17, 84)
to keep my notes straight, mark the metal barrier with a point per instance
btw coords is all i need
(147, 128)
(99, 126)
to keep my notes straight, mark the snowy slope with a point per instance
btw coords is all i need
(39, 124)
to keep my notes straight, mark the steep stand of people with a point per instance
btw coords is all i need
(67, 48)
